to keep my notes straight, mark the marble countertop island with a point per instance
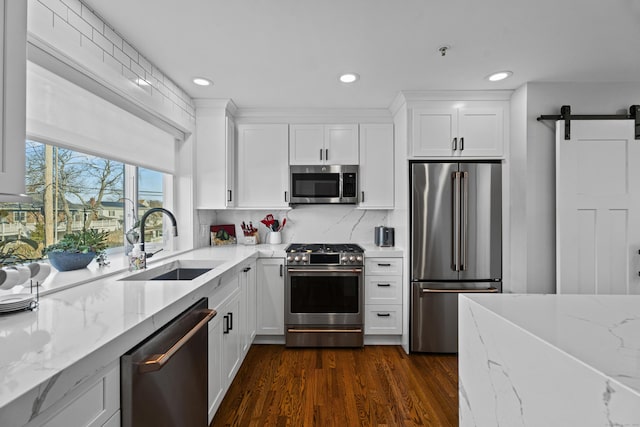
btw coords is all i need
(549, 360)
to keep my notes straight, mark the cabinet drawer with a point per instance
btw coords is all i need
(383, 266)
(383, 289)
(383, 320)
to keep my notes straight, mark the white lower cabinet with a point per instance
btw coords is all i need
(270, 304)
(231, 331)
(383, 296)
(114, 421)
(93, 403)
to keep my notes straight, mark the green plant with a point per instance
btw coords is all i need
(84, 241)
(11, 250)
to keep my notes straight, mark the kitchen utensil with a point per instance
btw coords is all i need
(284, 221)
(275, 226)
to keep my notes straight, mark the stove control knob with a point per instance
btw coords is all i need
(304, 258)
(296, 258)
(352, 258)
(289, 258)
(359, 258)
(345, 259)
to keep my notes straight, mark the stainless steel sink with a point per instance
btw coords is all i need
(176, 270)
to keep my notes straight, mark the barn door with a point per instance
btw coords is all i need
(598, 208)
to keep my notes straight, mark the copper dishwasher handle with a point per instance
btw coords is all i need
(155, 362)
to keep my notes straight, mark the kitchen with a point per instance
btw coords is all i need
(528, 156)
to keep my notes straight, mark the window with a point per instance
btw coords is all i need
(71, 190)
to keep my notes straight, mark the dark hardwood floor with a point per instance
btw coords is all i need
(372, 386)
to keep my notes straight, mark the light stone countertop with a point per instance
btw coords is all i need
(78, 331)
(601, 331)
(87, 319)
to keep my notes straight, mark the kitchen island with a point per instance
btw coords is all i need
(549, 360)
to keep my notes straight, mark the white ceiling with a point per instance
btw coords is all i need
(288, 53)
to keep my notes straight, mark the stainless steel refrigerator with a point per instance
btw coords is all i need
(456, 245)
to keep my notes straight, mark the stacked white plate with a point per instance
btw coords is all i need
(15, 302)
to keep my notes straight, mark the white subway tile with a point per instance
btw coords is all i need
(74, 5)
(39, 18)
(80, 24)
(137, 69)
(92, 19)
(103, 42)
(130, 50)
(57, 7)
(113, 36)
(64, 34)
(113, 63)
(144, 64)
(122, 57)
(90, 49)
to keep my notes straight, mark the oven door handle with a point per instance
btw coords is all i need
(308, 270)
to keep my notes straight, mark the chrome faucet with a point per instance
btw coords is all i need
(144, 219)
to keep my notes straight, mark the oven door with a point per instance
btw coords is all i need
(324, 296)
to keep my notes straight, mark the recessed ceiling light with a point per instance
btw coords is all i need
(201, 81)
(349, 77)
(500, 75)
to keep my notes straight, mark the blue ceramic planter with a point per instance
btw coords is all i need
(66, 261)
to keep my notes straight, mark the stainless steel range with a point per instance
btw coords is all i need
(324, 295)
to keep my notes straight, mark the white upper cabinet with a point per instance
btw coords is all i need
(263, 169)
(13, 74)
(450, 131)
(323, 144)
(376, 166)
(215, 155)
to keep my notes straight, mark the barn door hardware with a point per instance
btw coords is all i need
(565, 114)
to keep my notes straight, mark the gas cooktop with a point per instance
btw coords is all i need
(324, 254)
(324, 248)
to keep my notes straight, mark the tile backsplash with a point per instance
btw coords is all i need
(308, 223)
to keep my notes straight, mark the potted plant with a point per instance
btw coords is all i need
(76, 250)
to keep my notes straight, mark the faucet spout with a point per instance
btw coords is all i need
(143, 220)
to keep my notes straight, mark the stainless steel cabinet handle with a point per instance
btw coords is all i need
(461, 144)
(157, 361)
(383, 314)
(326, 154)
(384, 265)
(460, 291)
(455, 144)
(321, 154)
(362, 197)
(384, 285)
(285, 197)
(281, 267)
(230, 194)
(246, 269)
(230, 321)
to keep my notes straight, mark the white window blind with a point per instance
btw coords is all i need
(62, 113)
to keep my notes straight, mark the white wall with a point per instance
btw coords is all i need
(532, 217)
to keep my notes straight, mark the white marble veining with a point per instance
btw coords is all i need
(549, 360)
(77, 331)
(314, 223)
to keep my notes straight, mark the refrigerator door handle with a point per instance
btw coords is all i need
(464, 220)
(455, 232)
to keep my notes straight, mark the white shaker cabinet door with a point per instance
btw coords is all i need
(270, 296)
(306, 144)
(263, 166)
(341, 144)
(377, 166)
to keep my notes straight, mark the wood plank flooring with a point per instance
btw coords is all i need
(372, 386)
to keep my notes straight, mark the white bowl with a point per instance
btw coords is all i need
(39, 271)
(8, 278)
(24, 272)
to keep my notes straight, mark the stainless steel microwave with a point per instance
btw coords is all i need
(324, 184)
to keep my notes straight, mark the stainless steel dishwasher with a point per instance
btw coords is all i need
(164, 378)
